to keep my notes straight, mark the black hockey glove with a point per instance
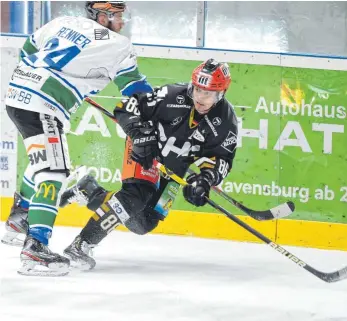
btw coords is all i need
(145, 144)
(199, 187)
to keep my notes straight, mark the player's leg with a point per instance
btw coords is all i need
(138, 206)
(156, 209)
(17, 222)
(111, 209)
(46, 148)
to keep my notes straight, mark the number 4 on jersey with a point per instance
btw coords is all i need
(56, 59)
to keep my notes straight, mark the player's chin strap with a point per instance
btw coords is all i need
(327, 277)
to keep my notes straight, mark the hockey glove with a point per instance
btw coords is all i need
(198, 187)
(145, 144)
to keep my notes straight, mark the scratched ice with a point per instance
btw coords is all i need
(171, 278)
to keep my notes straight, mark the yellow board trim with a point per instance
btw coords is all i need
(208, 225)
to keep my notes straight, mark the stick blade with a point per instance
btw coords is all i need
(333, 276)
(283, 210)
(280, 211)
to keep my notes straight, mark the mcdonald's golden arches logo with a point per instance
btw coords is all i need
(47, 188)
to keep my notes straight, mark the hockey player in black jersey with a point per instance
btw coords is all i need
(179, 123)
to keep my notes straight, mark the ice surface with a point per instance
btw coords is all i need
(170, 278)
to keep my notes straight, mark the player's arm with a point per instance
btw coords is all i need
(135, 116)
(223, 151)
(127, 76)
(37, 40)
(214, 167)
(29, 47)
(140, 107)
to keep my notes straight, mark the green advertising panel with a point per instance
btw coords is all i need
(292, 137)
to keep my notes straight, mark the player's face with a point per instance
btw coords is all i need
(117, 23)
(204, 99)
(114, 23)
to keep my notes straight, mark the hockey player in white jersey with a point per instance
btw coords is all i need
(64, 61)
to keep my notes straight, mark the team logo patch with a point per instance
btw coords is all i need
(198, 136)
(180, 99)
(101, 34)
(230, 142)
(216, 121)
(176, 121)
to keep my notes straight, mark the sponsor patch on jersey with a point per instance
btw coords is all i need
(50, 106)
(230, 142)
(177, 106)
(198, 136)
(211, 126)
(176, 121)
(26, 74)
(101, 34)
(119, 209)
(180, 99)
(216, 121)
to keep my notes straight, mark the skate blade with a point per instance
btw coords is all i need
(79, 264)
(30, 268)
(13, 239)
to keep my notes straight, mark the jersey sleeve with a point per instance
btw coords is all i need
(219, 153)
(126, 74)
(37, 40)
(144, 105)
(139, 107)
(29, 47)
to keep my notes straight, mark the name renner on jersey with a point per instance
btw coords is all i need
(74, 36)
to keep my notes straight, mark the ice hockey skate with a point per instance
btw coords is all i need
(38, 260)
(80, 253)
(17, 224)
(86, 192)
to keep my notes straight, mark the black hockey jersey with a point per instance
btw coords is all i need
(184, 135)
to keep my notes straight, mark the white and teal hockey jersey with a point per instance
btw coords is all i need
(68, 59)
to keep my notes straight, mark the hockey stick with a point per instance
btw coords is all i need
(327, 277)
(108, 97)
(100, 108)
(279, 211)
